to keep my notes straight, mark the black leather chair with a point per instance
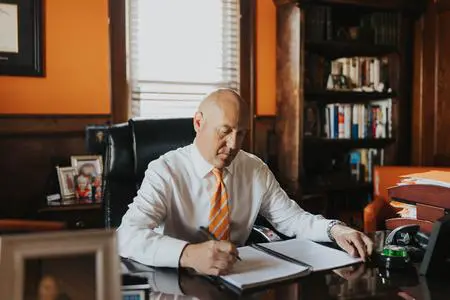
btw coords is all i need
(131, 146)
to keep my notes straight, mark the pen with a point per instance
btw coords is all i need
(212, 237)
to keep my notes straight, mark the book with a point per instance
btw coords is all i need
(278, 261)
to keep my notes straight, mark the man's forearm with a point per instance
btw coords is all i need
(148, 247)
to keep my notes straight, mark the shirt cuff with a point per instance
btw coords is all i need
(165, 281)
(169, 252)
(322, 230)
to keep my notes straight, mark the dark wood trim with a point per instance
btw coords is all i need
(75, 207)
(443, 5)
(425, 89)
(120, 94)
(381, 4)
(417, 107)
(53, 116)
(265, 117)
(42, 125)
(248, 63)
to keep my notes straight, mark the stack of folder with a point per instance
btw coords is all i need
(423, 198)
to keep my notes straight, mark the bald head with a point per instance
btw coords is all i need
(221, 123)
(224, 99)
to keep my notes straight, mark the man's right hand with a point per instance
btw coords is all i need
(211, 258)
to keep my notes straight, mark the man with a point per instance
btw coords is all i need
(212, 183)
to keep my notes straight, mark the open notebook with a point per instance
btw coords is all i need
(277, 261)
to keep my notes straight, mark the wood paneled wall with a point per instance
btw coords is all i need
(431, 98)
(30, 149)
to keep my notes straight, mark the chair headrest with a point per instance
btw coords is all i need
(120, 153)
(154, 137)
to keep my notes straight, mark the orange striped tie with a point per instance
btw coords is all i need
(219, 223)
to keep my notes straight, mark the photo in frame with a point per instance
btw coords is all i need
(88, 179)
(311, 124)
(136, 294)
(38, 264)
(66, 179)
(96, 139)
(21, 38)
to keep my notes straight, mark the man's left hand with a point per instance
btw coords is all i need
(354, 242)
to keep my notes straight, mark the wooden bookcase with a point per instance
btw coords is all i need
(370, 42)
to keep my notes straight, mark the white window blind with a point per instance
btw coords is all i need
(179, 50)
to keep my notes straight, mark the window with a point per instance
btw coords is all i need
(179, 50)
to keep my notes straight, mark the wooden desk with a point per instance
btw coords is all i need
(76, 216)
(365, 282)
(17, 225)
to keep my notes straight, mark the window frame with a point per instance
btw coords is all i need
(119, 86)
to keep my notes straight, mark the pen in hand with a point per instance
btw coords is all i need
(212, 237)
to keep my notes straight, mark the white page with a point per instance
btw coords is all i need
(318, 256)
(257, 268)
(9, 28)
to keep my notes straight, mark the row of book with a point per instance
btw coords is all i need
(370, 74)
(358, 121)
(361, 73)
(380, 28)
(362, 162)
(385, 25)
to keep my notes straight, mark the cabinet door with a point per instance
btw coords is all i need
(431, 103)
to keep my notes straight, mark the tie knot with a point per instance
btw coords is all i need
(218, 173)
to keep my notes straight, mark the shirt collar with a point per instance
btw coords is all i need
(201, 166)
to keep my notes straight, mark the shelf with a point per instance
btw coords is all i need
(342, 187)
(336, 49)
(71, 207)
(348, 143)
(399, 5)
(326, 96)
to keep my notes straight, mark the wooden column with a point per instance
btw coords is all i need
(289, 96)
(431, 98)
(120, 93)
(247, 66)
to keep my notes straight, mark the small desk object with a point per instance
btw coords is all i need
(436, 261)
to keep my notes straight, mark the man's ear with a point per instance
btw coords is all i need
(198, 121)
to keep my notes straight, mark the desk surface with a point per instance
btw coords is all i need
(357, 282)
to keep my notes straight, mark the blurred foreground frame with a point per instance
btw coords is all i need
(17, 249)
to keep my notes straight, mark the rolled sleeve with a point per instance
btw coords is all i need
(169, 251)
(286, 215)
(166, 282)
(137, 237)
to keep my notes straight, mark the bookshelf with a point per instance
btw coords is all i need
(344, 85)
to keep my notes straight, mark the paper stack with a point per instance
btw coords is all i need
(438, 178)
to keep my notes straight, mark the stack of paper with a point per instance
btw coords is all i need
(438, 178)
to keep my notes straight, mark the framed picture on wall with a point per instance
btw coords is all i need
(21, 38)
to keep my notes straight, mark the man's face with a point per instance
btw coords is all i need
(222, 134)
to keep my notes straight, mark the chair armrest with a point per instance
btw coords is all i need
(375, 214)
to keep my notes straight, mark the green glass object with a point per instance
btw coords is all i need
(394, 251)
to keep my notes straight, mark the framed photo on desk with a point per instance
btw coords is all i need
(70, 264)
(21, 38)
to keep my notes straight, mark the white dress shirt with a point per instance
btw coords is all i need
(174, 200)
